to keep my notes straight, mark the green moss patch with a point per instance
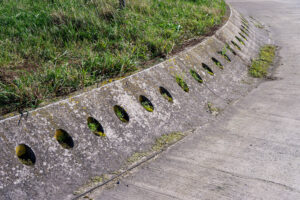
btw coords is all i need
(160, 143)
(259, 67)
(212, 109)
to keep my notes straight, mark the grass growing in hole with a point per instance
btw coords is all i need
(236, 45)
(50, 48)
(95, 127)
(170, 99)
(227, 46)
(243, 36)
(165, 94)
(244, 32)
(196, 76)
(121, 113)
(208, 70)
(223, 53)
(182, 83)
(146, 104)
(259, 67)
(217, 63)
(246, 29)
(240, 40)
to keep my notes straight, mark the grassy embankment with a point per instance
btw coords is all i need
(50, 48)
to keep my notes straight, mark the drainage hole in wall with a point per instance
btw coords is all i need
(121, 113)
(95, 127)
(244, 32)
(226, 57)
(230, 49)
(245, 24)
(217, 63)
(64, 139)
(146, 103)
(25, 154)
(236, 45)
(166, 94)
(244, 28)
(208, 69)
(182, 83)
(240, 40)
(243, 36)
(196, 76)
(244, 21)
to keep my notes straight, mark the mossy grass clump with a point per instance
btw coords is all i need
(196, 76)
(259, 67)
(223, 53)
(146, 103)
(52, 48)
(25, 154)
(166, 94)
(95, 127)
(182, 83)
(64, 139)
(208, 69)
(240, 40)
(121, 113)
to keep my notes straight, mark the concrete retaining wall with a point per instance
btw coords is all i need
(57, 171)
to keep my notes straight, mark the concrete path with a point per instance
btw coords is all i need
(252, 151)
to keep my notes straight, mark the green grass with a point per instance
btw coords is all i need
(51, 48)
(147, 105)
(259, 67)
(196, 76)
(182, 83)
(95, 127)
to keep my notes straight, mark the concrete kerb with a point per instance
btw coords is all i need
(58, 171)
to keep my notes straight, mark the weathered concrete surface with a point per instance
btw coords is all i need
(252, 151)
(57, 172)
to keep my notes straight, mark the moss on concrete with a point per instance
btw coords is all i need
(212, 109)
(259, 67)
(161, 142)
